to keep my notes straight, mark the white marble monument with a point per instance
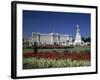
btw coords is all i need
(78, 40)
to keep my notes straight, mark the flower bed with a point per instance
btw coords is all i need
(35, 63)
(59, 55)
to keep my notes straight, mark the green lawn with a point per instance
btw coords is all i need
(76, 49)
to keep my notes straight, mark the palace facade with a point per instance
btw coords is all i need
(51, 39)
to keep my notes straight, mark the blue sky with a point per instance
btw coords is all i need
(58, 22)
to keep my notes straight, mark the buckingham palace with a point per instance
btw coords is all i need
(51, 39)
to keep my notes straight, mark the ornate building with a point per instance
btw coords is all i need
(51, 39)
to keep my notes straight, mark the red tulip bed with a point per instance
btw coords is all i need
(58, 55)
